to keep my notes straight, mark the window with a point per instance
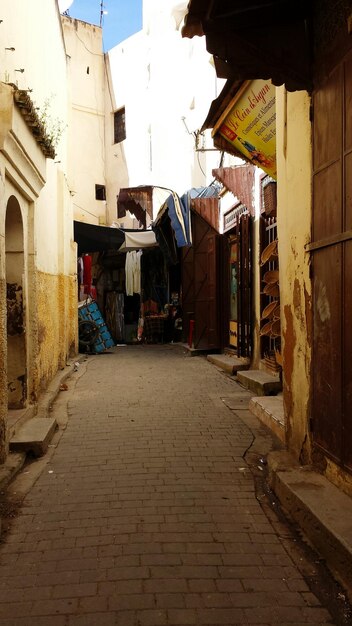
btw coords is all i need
(119, 125)
(100, 192)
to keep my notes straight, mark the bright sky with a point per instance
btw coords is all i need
(123, 18)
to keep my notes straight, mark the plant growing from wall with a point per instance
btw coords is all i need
(46, 129)
(54, 127)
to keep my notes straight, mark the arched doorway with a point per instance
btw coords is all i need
(16, 342)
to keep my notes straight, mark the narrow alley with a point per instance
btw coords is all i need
(144, 510)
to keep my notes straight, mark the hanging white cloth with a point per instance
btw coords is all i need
(133, 272)
(137, 272)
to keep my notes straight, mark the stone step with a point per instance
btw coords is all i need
(322, 510)
(34, 436)
(16, 418)
(229, 364)
(261, 383)
(270, 411)
(197, 351)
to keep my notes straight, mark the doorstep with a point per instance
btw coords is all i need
(321, 509)
(198, 351)
(34, 436)
(230, 364)
(270, 411)
(17, 417)
(260, 383)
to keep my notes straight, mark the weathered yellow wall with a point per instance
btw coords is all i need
(294, 231)
(56, 327)
(3, 346)
(3, 371)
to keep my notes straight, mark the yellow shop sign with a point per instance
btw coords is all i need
(249, 124)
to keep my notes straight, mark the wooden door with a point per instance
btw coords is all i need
(200, 285)
(332, 265)
(244, 278)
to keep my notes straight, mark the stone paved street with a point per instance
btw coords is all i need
(145, 511)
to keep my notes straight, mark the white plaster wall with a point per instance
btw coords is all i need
(86, 76)
(34, 30)
(166, 84)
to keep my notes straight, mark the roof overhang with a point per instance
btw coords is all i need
(138, 240)
(252, 39)
(141, 201)
(239, 180)
(94, 238)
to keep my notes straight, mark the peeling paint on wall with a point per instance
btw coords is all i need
(3, 373)
(56, 324)
(322, 303)
(288, 356)
(308, 315)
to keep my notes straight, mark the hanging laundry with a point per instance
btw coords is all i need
(80, 270)
(137, 273)
(133, 272)
(87, 270)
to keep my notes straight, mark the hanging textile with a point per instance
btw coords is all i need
(87, 269)
(133, 272)
(114, 315)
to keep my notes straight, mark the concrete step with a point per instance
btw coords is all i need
(321, 509)
(270, 411)
(16, 418)
(34, 436)
(260, 383)
(197, 351)
(229, 364)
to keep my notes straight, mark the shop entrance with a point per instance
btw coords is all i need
(16, 342)
(240, 269)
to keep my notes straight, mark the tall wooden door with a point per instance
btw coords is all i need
(200, 284)
(332, 265)
(244, 286)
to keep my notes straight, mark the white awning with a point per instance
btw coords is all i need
(138, 240)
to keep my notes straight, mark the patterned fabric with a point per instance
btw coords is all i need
(154, 328)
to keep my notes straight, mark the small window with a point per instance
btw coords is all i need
(100, 192)
(119, 125)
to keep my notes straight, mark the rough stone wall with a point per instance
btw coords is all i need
(56, 327)
(3, 372)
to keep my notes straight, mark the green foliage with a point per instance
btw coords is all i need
(54, 127)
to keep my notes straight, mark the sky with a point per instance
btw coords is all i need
(123, 18)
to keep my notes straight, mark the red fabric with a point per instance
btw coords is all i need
(87, 269)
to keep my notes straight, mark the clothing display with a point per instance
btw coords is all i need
(87, 270)
(154, 327)
(114, 315)
(80, 270)
(133, 272)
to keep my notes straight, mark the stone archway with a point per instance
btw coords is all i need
(16, 338)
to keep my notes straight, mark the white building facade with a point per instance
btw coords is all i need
(37, 253)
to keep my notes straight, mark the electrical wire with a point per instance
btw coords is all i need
(108, 82)
(200, 167)
(97, 54)
(85, 210)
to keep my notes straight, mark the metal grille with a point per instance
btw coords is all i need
(119, 126)
(268, 235)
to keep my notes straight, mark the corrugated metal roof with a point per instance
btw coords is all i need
(240, 181)
(208, 209)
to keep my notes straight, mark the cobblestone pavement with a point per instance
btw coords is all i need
(145, 512)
